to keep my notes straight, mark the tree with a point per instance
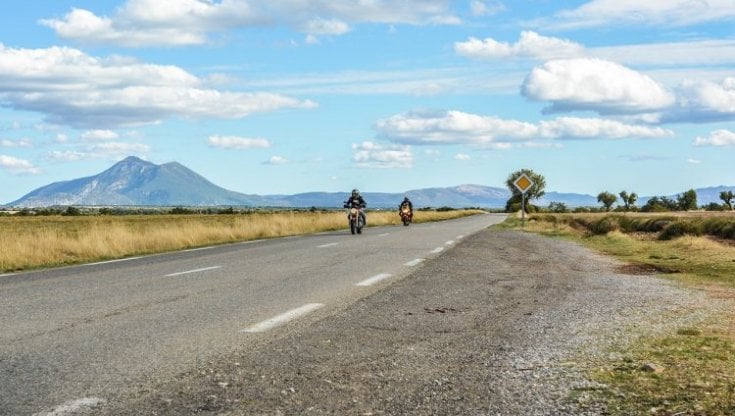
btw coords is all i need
(558, 207)
(607, 200)
(629, 200)
(534, 192)
(727, 197)
(687, 201)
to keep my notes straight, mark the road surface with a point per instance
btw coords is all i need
(74, 338)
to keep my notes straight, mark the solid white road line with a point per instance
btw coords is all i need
(111, 261)
(413, 262)
(73, 407)
(9, 274)
(198, 249)
(375, 279)
(283, 318)
(327, 245)
(193, 271)
(437, 250)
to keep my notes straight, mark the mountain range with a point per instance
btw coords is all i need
(135, 182)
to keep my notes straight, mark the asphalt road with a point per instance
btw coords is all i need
(75, 337)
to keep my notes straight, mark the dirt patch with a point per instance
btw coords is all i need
(640, 269)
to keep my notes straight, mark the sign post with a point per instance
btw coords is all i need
(523, 184)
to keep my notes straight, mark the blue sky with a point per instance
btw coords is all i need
(282, 97)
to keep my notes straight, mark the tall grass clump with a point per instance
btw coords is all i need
(681, 228)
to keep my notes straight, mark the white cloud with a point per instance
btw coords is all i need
(117, 150)
(99, 135)
(462, 157)
(486, 8)
(704, 101)
(277, 160)
(650, 12)
(456, 127)
(596, 85)
(73, 88)
(530, 45)
(188, 22)
(67, 155)
(694, 161)
(233, 142)
(17, 166)
(16, 143)
(719, 138)
(373, 155)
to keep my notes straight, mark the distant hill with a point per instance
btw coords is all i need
(136, 182)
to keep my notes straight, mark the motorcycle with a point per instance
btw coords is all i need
(406, 214)
(355, 218)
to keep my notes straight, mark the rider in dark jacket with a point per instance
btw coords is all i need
(355, 200)
(406, 201)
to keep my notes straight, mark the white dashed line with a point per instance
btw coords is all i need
(449, 243)
(459, 237)
(111, 261)
(375, 279)
(437, 250)
(327, 245)
(73, 407)
(383, 235)
(283, 318)
(193, 271)
(414, 262)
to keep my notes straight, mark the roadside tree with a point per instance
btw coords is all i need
(687, 201)
(629, 200)
(727, 197)
(535, 192)
(607, 200)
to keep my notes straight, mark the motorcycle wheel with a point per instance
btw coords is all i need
(353, 228)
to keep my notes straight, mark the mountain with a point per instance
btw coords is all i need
(136, 182)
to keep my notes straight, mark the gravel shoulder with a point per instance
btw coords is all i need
(505, 323)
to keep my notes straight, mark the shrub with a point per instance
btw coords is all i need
(680, 228)
(603, 226)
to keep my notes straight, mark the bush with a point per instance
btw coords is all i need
(602, 226)
(679, 229)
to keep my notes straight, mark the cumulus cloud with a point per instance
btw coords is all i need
(374, 155)
(651, 12)
(456, 127)
(17, 166)
(704, 101)
(486, 8)
(76, 89)
(596, 85)
(189, 22)
(719, 138)
(239, 143)
(530, 45)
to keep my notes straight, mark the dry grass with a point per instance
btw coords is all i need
(34, 242)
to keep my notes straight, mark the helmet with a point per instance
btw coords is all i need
(355, 192)
(405, 198)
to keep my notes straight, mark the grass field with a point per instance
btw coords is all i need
(694, 370)
(46, 241)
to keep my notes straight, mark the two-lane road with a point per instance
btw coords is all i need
(74, 337)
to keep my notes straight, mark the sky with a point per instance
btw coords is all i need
(291, 96)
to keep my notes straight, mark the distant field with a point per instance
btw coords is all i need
(47, 241)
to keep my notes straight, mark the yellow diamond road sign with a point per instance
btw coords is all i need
(523, 183)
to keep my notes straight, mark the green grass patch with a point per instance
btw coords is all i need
(689, 373)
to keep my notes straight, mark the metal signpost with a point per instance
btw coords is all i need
(523, 184)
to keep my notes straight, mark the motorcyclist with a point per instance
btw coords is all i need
(356, 201)
(406, 201)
